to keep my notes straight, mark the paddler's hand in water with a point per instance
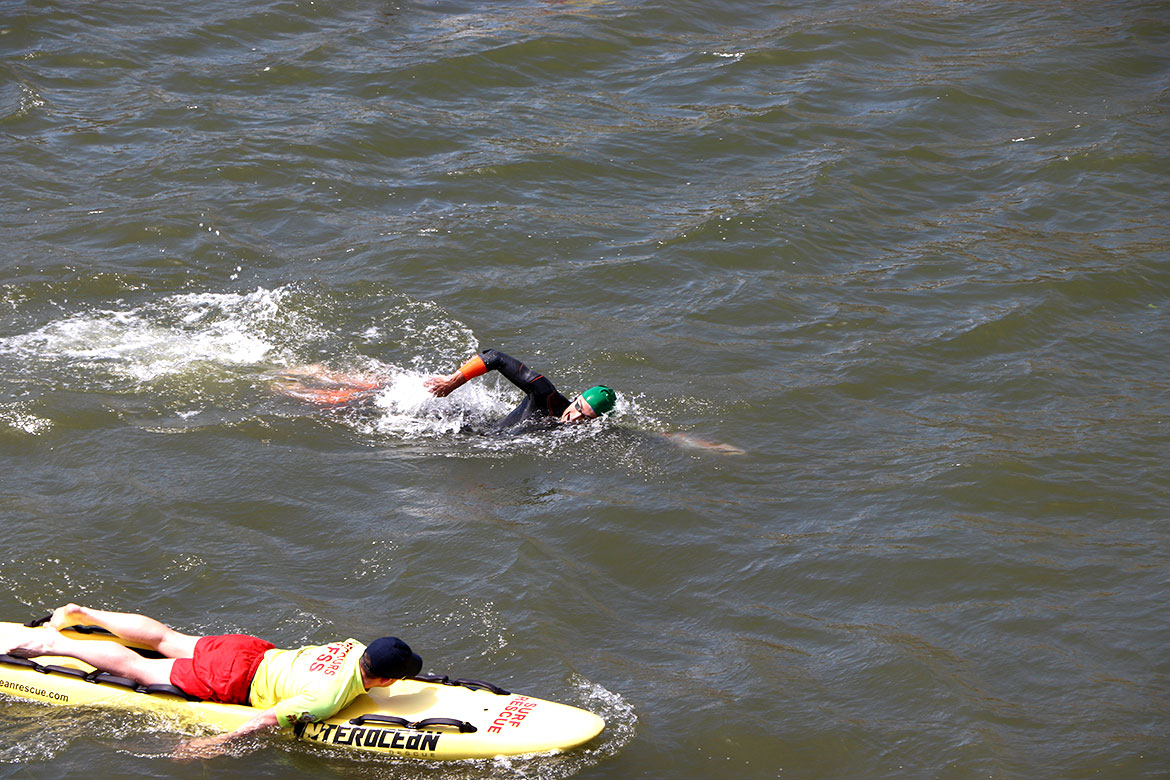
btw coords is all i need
(442, 386)
(203, 747)
(209, 747)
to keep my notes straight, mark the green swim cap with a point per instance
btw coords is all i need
(601, 398)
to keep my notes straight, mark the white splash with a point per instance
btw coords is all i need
(405, 408)
(17, 415)
(167, 337)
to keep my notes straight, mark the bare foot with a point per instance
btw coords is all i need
(10, 641)
(68, 615)
(24, 642)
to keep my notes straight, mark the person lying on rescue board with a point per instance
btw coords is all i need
(286, 686)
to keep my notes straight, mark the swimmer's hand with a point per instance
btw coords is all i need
(443, 386)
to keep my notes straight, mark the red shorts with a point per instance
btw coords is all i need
(222, 669)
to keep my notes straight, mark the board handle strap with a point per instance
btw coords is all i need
(443, 679)
(393, 720)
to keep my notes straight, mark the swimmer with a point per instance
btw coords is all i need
(322, 387)
(542, 402)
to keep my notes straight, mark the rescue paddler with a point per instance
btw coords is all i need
(287, 686)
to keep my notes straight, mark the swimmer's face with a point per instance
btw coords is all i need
(579, 411)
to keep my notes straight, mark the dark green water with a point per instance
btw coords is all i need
(911, 258)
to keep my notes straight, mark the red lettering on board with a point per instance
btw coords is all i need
(513, 713)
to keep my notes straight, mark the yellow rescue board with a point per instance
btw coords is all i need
(425, 717)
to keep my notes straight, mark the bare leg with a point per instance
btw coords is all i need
(106, 656)
(318, 385)
(694, 442)
(132, 627)
(321, 396)
(322, 378)
(303, 373)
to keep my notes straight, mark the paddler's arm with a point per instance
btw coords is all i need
(209, 747)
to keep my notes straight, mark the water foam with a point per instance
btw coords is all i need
(406, 409)
(17, 416)
(172, 336)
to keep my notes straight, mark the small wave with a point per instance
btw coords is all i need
(35, 733)
(18, 417)
(19, 102)
(620, 719)
(26, 736)
(479, 619)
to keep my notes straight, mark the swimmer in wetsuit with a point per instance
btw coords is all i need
(322, 387)
(541, 399)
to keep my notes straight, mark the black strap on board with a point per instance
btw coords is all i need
(443, 679)
(393, 720)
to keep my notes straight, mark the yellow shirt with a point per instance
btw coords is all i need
(308, 684)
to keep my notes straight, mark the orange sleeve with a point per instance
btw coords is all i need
(473, 368)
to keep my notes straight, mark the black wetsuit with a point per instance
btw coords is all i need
(541, 398)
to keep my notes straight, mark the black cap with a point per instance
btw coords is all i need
(391, 657)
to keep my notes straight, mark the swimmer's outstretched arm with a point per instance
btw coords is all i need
(490, 360)
(443, 386)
